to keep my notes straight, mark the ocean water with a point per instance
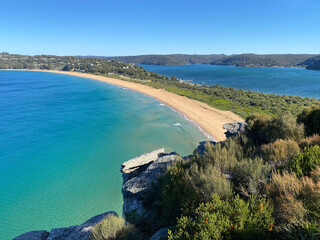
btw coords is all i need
(62, 141)
(285, 81)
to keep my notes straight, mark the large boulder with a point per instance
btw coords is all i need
(78, 232)
(135, 166)
(234, 128)
(135, 187)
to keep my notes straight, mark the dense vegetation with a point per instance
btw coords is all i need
(239, 60)
(261, 184)
(172, 59)
(313, 63)
(242, 102)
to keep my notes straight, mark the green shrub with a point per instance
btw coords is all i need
(310, 141)
(208, 180)
(221, 219)
(280, 152)
(306, 161)
(114, 228)
(310, 117)
(174, 195)
(250, 176)
(263, 129)
(296, 204)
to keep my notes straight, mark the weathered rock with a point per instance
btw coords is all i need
(234, 128)
(142, 183)
(78, 232)
(33, 235)
(135, 166)
(134, 188)
(134, 163)
(163, 232)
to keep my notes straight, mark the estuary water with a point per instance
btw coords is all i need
(62, 141)
(285, 81)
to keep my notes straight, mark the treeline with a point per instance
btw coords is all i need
(172, 59)
(77, 64)
(261, 184)
(240, 60)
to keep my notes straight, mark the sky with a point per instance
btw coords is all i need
(135, 27)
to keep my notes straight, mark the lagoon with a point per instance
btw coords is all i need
(284, 81)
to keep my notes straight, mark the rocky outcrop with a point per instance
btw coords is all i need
(135, 166)
(234, 128)
(138, 178)
(78, 232)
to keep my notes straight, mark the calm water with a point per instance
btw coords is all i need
(62, 141)
(288, 81)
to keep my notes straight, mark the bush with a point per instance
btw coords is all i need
(280, 152)
(114, 228)
(306, 161)
(173, 195)
(310, 141)
(208, 180)
(296, 203)
(310, 117)
(262, 129)
(250, 176)
(220, 219)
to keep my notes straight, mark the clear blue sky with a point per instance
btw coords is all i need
(132, 27)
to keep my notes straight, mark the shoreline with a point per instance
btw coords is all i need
(207, 119)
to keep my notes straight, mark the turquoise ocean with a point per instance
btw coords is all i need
(284, 81)
(62, 142)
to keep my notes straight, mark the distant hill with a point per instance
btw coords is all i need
(173, 59)
(269, 60)
(313, 63)
(239, 60)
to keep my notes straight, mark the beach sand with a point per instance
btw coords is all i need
(208, 118)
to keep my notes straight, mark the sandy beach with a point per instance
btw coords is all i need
(208, 118)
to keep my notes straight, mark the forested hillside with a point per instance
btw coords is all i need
(240, 60)
(173, 59)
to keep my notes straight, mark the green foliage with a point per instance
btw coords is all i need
(250, 176)
(310, 141)
(279, 153)
(114, 228)
(296, 204)
(310, 117)
(233, 218)
(263, 129)
(306, 161)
